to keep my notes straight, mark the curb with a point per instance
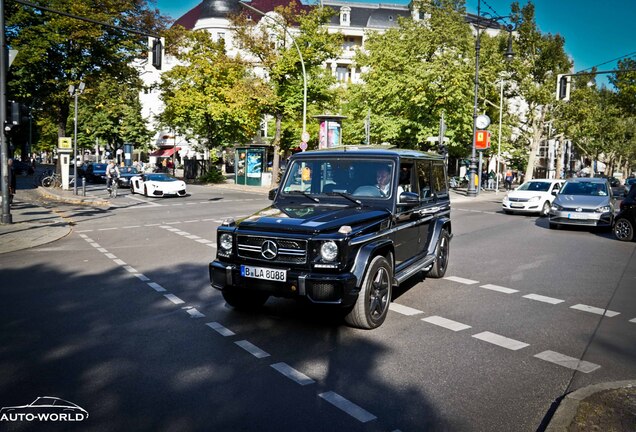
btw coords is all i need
(72, 200)
(568, 408)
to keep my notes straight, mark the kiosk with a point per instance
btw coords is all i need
(64, 150)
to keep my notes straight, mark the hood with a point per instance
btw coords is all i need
(587, 202)
(310, 218)
(526, 193)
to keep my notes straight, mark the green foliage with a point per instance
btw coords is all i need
(212, 176)
(56, 51)
(209, 96)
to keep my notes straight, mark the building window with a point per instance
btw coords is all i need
(345, 16)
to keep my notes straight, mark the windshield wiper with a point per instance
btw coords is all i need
(345, 195)
(314, 199)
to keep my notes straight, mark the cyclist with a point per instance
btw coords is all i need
(112, 174)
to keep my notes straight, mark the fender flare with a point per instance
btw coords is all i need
(366, 253)
(440, 224)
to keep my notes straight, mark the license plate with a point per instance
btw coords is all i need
(577, 216)
(264, 273)
(516, 205)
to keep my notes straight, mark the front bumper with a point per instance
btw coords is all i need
(566, 217)
(337, 289)
(522, 206)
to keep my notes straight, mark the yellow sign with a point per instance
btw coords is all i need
(64, 143)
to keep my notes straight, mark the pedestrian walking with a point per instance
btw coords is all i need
(508, 180)
(491, 180)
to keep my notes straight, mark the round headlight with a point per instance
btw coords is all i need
(534, 199)
(225, 241)
(329, 251)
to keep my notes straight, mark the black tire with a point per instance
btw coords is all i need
(245, 300)
(545, 210)
(554, 225)
(146, 191)
(372, 305)
(47, 181)
(507, 211)
(442, 253)
(132, 189)
(624, 229)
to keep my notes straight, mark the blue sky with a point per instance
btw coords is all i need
(595, 31)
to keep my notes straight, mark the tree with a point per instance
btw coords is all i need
(110, 114)
(538, 61)
(273, 48)
(415, 72)
(210, 96)
(56, 51)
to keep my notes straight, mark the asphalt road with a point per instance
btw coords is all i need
(120, 319)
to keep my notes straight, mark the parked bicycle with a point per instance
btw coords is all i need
(55, 180)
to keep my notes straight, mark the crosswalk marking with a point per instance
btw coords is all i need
(499, 289)
(404, 310)
(347, 406)
(501, 341)
(595, 310)
(461, 280)
(446, 323)
(568, 362)
(543, 299)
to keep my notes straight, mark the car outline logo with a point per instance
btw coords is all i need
(44, 408)
(579, 209)
(269, 250)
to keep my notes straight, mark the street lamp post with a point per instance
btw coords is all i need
(75, 92)
(472, 189)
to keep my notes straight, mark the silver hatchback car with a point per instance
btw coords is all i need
(583, 201)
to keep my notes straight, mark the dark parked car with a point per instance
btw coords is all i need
(22, 168)
(125, 173)
(625, 221)
(628, 184)
(96, 172)
(345, 228)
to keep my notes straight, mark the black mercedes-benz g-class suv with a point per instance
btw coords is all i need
(345, 227)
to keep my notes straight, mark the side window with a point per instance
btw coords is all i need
(424, 181)
(440, 186)
(406, 181)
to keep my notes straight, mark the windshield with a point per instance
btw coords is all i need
(535, 186)
(360, 178)
(585, 189)
(159, 177)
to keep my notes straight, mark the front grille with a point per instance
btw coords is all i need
(323, 291)
(290, 251)
(573, 209)
(518, 199)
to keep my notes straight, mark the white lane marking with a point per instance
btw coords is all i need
(191, 203)
(131, 226)
(108, 229)
(566, 361)
(633, 320)
(130, 269)
(461, 280)
(83, 231)
(205, 241)
(192, 237)
(446, 323)
(174, 299)
(141, 277)
(501, 341)
(181, 233)
(173, 223)
(293, 374)
(110, 255)
(149, 225)
(118, 261)
(208, 220)
(595, 310)
(212, 245)
(543, 299)
(194, 313)
(94, 244)
(252, 349)
(499, 289)
(102, 250)
(190, 221)
(220, 329)
(347, 406)
(404, 310)
(155, 286)
(150, 203)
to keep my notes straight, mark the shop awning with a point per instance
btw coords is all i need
(165, 152)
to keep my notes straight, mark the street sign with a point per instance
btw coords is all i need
(64, 143)
(304, 137)
(482, 140)
(303, 146)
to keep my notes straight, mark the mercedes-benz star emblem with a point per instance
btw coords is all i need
(269, 250)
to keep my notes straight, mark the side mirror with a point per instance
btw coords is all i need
(410, 198)
(555, 192)
(272, 194)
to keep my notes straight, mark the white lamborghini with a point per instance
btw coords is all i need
(157, 185)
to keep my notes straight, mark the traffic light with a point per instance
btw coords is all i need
(157, 49)
(563, 87)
